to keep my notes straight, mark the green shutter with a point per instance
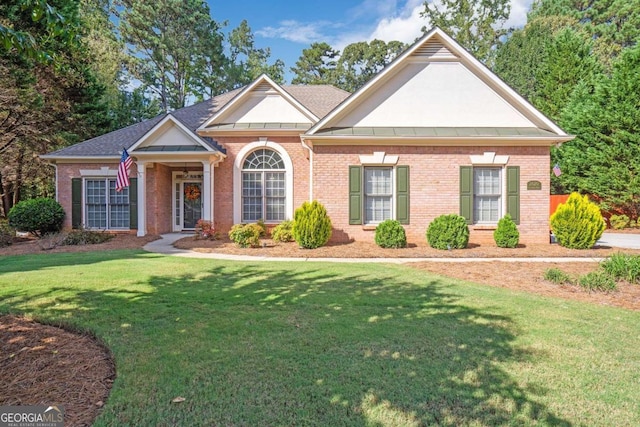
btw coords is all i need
(402, 194)
(133, 203)
(466, 193)
(355, 195)
(513, 193)
(76, 202)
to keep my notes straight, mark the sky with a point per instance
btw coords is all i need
(288, 26)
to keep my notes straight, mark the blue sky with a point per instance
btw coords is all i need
(288, 26)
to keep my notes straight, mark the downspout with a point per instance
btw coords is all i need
(305, 145)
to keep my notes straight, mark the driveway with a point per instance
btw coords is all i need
(620, 240)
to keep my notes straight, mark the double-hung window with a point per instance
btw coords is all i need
(263, 187)
(106, 208)
(378, 194)
(487, 192)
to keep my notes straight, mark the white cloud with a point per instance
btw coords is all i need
(518, 16)
(299, 32)
(405, 26)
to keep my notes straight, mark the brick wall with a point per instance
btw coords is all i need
(434, 187)
(159, 207)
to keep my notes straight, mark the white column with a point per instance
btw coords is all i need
(207, 191)
(142, 199)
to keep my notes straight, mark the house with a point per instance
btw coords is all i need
(435, 132)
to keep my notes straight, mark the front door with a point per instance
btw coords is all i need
(191, 204)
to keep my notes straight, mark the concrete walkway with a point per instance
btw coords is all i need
(165, 246)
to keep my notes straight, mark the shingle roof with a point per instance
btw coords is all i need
(318, 99)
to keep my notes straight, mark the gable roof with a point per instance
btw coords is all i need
(408, 99)
(319, 100)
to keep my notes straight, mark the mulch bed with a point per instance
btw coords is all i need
(47, 365)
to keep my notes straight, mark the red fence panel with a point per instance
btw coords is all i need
(555, 200)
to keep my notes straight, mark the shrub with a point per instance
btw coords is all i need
(623, 266)
(206, 230)
(578, 223)
(245, 235)
(37, 216)
(506, 235)
(312, 225)
(557, 276)
(7, 233)
(82, 236)
(598, 280)
(390, 234)
(448, 232)
(51, 240)
(263, 227)
(618, 222)
(283, 232)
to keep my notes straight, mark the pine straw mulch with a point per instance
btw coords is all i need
(47, 365)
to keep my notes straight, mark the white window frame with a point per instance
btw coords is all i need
(264, 197)
(237, 176)
(107, 204)
(499, 195)
(391, 195)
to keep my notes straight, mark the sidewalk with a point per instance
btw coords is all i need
(165, 246)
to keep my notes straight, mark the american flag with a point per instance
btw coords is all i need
(123, 171)
(556, 170)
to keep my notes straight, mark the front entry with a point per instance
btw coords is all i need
(187, 200)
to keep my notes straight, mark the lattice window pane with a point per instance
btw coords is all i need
(487, 194)
(378, 181)
(263, 159)
(377, 208)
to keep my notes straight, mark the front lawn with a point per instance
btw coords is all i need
(250, 344)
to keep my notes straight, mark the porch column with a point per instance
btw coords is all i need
(207, 191)
(142, 198)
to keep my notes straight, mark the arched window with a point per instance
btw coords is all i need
(263, 187)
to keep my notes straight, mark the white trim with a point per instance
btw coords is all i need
(237, 177)
(247, 92)
(475, 66)
(489, 158)
(176, 122)
(106, 179)
(378, 158)
(103, 171)
(142, 198)
(177, 178)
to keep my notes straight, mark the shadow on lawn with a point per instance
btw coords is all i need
(305, 344)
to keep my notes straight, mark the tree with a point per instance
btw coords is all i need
(475, 24)
(604, 158)
(361, 61)
(134, 107)
(166, 40)
(613, 24)
(317, 65)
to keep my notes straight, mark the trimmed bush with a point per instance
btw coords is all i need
(619, 222)
(263, 227)
(598, 280)
(37, 216)
(507, 234)
(557, 276)
(283, 232)
(6, 234)
(448, 232)
(390, 234)
(312, 225)
(578, 223)
(246, 235)
(623, 266)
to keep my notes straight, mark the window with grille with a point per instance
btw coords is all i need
(263, 187)
(487, 193)
(105, 207)
(378, 194)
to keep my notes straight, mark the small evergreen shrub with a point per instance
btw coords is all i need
(390, 234)
(598, 280)
(263, 227)
(507, 234)
(623, 267)
(206, 230)
(246, 235)
(283, 232)
(82, 236)
(619, 222)
(7, 233)
(37, 216)
(557, 276)
(448, 232)
(312, 225)
(578, 223)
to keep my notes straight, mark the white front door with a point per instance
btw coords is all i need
(187, 200)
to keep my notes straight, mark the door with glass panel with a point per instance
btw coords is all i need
(187, 204)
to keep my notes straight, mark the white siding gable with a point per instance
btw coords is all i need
(168, 134)
(434, 94)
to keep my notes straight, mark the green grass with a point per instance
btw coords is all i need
(316, 344)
